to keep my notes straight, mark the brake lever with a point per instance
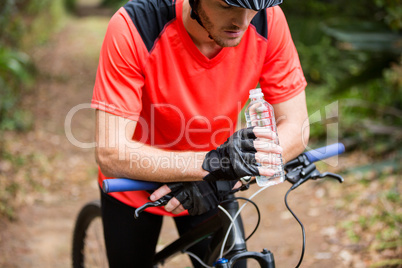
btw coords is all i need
(330, 175)
(160, 202)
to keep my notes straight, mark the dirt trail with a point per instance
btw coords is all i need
(41, 235)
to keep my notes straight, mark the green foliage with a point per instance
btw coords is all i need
(70, 5)
(15, 73)
(358, 64)
(372, 10)
(392, 13)
(372, 213)
(74, 5)
(113, 3)
(371, 111)
(21, 177)
(387, 264)
(23, 24)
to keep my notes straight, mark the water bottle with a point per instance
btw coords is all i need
(261, 113)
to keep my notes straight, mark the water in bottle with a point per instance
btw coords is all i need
(260, 113)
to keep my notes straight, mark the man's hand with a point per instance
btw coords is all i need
(198, 197)
(240, 154)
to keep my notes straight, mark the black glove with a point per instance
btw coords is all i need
(200, 196)
(234, 159)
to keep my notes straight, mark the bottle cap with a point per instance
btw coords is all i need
(254, 93)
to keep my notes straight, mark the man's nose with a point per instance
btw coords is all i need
(243, 17)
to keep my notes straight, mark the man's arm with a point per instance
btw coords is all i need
(293, 132)
(293, 125)
(119, 156)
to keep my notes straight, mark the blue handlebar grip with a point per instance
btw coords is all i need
(122, 185)
(325, 152)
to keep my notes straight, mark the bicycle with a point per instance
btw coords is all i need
(228, 244)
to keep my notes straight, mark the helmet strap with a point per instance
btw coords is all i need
(194, 15)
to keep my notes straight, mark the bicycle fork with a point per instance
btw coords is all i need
(265, 258)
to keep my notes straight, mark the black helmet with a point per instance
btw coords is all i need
(256, 5)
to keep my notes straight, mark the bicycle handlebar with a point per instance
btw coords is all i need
(123, 184)
(325, 152)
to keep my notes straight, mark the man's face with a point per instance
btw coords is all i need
(225, 24)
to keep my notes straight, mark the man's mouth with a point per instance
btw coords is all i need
(234, 33)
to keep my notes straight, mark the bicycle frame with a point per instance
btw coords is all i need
(216, 227)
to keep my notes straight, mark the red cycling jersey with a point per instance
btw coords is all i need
(181, 100)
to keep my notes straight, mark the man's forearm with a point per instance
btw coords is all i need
(293, 126)
(151, 164)
(119, 156)
(292, 138)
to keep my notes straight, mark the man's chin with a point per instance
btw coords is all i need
(227, 42)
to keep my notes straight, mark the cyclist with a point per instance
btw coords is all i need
(171, 81)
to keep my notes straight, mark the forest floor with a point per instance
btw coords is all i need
(63, 176)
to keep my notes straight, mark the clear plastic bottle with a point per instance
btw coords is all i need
(260, 113)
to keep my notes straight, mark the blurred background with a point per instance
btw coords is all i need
(351, 56)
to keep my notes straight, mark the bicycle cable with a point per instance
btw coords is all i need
(248, 200)
(301, 225)
(234, 218)
(231, 224)
(257, 209)
(287, 206)
(198, 258)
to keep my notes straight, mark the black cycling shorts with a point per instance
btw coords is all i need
(131, 242)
